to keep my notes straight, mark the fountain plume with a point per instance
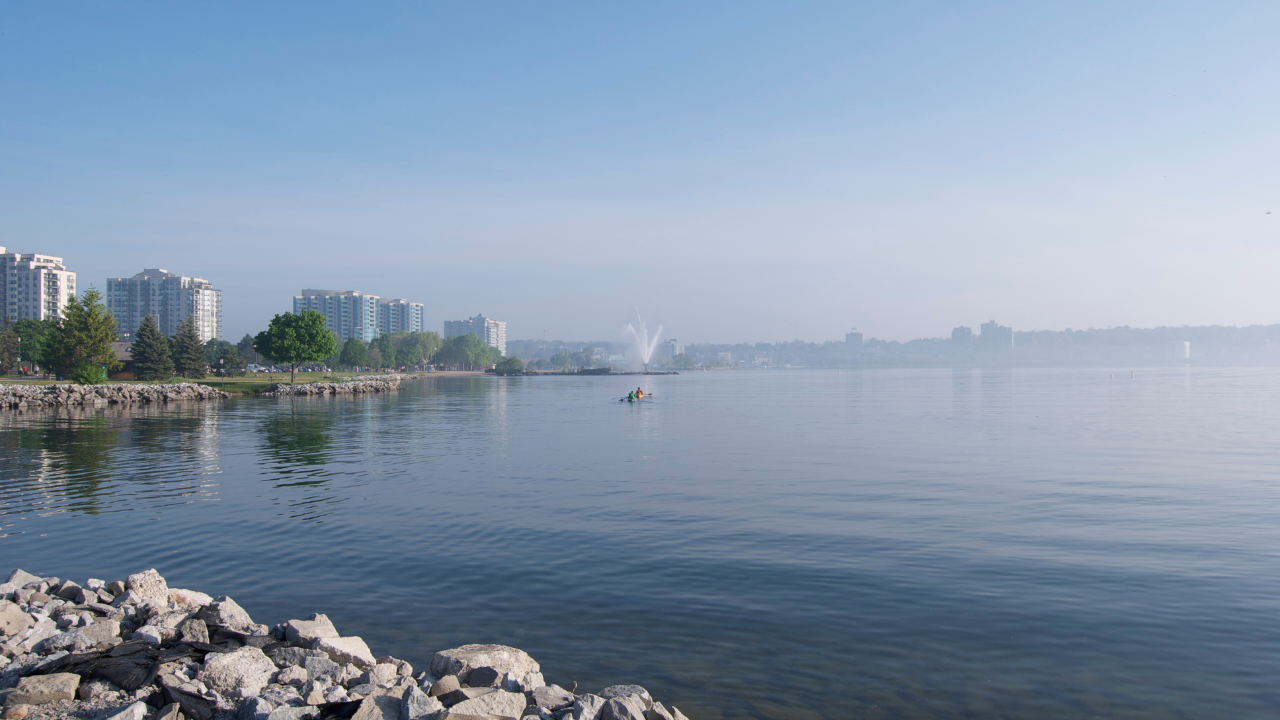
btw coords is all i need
(644, 344)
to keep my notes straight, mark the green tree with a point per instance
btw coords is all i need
(152, 357)
(512, 364)
(8, 348)
(683, 362)
(187, 350)
(354, 353)
(213, 350)
(465, 350)
(296, 339)
(81, 347)
(32, 337)
(245, 348)
(386, 351)
(375, 357)
(229, 363)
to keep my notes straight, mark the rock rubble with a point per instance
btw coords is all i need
(382, 383)
(139, 650)
(17, 396)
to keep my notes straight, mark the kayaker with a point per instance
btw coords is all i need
(631, 396)
(639, 393)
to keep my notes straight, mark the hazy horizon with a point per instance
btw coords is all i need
(742, 172)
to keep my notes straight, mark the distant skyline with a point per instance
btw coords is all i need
(738, 172)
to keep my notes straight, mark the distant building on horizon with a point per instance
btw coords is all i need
(995, 338)
(33, 286)
(492, 332)
(399, 315)
(961, 339)
(353, 314)
(170, 298)
(671, 347)
(349, 313)
(852, 344)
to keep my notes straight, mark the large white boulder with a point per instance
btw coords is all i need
(518, 671)
(241, 673)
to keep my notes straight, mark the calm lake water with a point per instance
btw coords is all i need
(769, 544)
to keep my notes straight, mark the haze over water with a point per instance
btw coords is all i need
(773, 544)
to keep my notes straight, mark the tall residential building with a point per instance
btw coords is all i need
(962, 340)
(671, 347)
(492, 332)
(169, 298)
(35, 287)
(349, 313)
(852, 344)
(995, 338)
(401, 316)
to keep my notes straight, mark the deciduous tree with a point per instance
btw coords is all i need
(296, 339)
(354, 353)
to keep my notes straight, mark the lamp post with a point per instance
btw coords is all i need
(222, 369)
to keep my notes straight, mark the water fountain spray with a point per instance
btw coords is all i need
(644, 345)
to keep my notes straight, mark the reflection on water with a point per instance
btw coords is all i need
(780, 544)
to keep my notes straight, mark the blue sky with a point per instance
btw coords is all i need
(736, 171)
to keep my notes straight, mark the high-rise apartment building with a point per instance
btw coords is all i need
(401, 316)
(995, 337)
(349, 313)
(170, 298)
(492, 332)
(32, 286)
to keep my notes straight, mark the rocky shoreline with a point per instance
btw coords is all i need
(139, 650)
(385, 383)
(16, 396)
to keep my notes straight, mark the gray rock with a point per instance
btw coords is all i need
(68, 590)
(224, 612)
(614, 691)
(241, 673)
(95, 584)
(44, 689)
(623, 707)
(149, 584)
(499, 702)
(285, 656)
(552, 697)
(587, 707)
(417, 704)
(172, 711)
(519, 671)
(675, 713)
(193, 630)
(128, 597)
(317, 666)
(346, 650)
(464, 694)
(116, 588)
(294, 713)
(304, 633)
(380, 674)
(292, 675)
(444, 686)
(149, 634)
(12, 619)
(657, 712)
(101, 630)
(378, 707)
(136, 711)
(21, 578)
(484, 677)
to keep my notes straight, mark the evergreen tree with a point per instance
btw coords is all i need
(354, 353)
(245, 348)
(229, 363)
(32, 338)
(81, 347)
(188, 351)
(152, 357)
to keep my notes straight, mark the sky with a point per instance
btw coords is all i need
(737, 172)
